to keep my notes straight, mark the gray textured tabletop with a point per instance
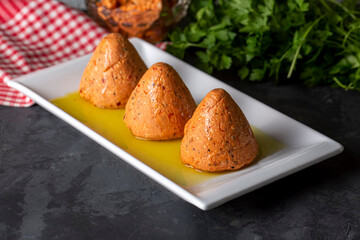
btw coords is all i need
(56, 183)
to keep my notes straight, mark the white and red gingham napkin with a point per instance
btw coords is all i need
(36, 34)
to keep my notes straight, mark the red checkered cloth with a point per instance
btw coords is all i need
(36, 34)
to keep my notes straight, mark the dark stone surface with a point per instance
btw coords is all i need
(55, 183)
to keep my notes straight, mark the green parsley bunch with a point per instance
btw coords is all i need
(314, 41)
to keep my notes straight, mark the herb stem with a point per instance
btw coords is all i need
(348, 87)
(344, 9)
(292, 67)
(348, 34)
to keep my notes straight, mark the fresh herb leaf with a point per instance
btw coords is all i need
(316, 42)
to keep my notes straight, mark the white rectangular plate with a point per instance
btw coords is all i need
(303, 145)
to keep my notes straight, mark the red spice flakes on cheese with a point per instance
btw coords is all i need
(160, 105)
(218, 137)
(112, 72)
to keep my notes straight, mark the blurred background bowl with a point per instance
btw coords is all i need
(146, 19)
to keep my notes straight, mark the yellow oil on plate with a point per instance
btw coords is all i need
(162, 156)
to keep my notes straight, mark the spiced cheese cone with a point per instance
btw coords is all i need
(160, 105)
(218, 137)
(112, 72)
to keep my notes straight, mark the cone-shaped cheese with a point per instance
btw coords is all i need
(112, 72)
(160, 105)
(218, 137)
